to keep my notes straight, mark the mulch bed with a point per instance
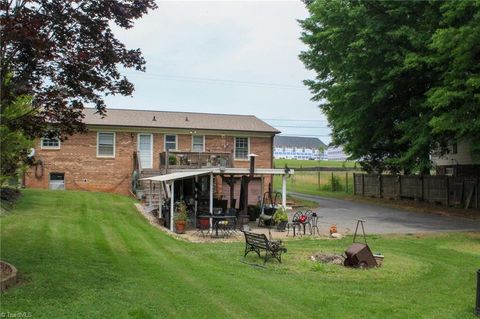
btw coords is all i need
(328, 258)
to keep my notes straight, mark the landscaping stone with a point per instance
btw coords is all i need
(8, 275)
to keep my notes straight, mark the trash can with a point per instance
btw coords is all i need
(477, 308)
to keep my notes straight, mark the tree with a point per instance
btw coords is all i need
(378, 66)
(65, 55)
(455, 98)
(14, 145)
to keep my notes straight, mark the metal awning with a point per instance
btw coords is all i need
(176, 176)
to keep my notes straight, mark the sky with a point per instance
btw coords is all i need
(224, 57)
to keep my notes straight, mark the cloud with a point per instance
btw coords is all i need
(241, 41)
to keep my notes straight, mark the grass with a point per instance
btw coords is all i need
(302, 203)
(319, 183)
(280, 163)
(85, 255)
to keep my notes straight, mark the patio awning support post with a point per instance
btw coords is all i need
(284, 191)
(262, 180)
(211, 201)
(195, 194)
(172, 203)
(160, 200)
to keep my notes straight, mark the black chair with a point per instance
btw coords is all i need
(231, 226)
(294, 223)
(308, 221)
(314, 224)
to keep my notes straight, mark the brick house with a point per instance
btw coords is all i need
(153, 143)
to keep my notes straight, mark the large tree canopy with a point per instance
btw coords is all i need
(396, 79)
(64, 54)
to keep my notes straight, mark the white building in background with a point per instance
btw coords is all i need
(335, 154)
(300, 148)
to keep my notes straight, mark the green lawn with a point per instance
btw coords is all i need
(91, 255)
(319, 183)
(280, 163)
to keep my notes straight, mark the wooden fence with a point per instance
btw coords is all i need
(445, 190)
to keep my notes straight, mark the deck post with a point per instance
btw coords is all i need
(211, 201)
(284, 191)
(172, 203)
(151, 194)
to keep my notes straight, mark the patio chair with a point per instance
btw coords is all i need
(294, 223)
(203, 226)
(231, 226)
(308, 221)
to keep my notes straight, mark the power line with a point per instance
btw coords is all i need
(220, 81)
(306, 135)
(290, 120)
(293, 126)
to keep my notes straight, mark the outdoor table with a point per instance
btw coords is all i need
(214, 219)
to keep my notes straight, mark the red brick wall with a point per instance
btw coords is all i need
(77, 159)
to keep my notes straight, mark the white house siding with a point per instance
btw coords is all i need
(298, 153)
(336, 154)
(462, 156)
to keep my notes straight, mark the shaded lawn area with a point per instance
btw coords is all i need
(92, 255)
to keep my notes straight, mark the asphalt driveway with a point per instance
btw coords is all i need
(383, 220)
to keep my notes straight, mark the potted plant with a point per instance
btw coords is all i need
(172, 160)
(180, 218)
(281, 218)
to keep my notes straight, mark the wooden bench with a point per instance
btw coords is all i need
(256, 242)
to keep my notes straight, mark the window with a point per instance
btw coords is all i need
(241, 147)
(454, 148)
(198, 143)
(170, 142)
(106, 144)
(57, 181)
(50, 143)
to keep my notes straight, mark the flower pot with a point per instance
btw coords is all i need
(180, 227)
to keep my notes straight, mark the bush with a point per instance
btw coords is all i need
(280, 215)
(8, 196)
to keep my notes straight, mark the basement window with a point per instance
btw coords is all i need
(57, 181)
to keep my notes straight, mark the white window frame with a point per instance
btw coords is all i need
(203, 142)
(165, 141)
(235, 148)
(114, 144)
(50, 147)
(151, 147)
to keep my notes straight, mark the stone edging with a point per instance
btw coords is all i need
(10, 280)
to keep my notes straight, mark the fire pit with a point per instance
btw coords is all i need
(328, 258)
(358, 254)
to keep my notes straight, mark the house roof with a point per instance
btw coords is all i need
(178, 120)
(294, 141)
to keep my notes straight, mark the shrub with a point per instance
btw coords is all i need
(280, 215)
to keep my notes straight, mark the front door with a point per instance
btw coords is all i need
(145, 150)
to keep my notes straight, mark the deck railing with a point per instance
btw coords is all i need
(173, 160)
